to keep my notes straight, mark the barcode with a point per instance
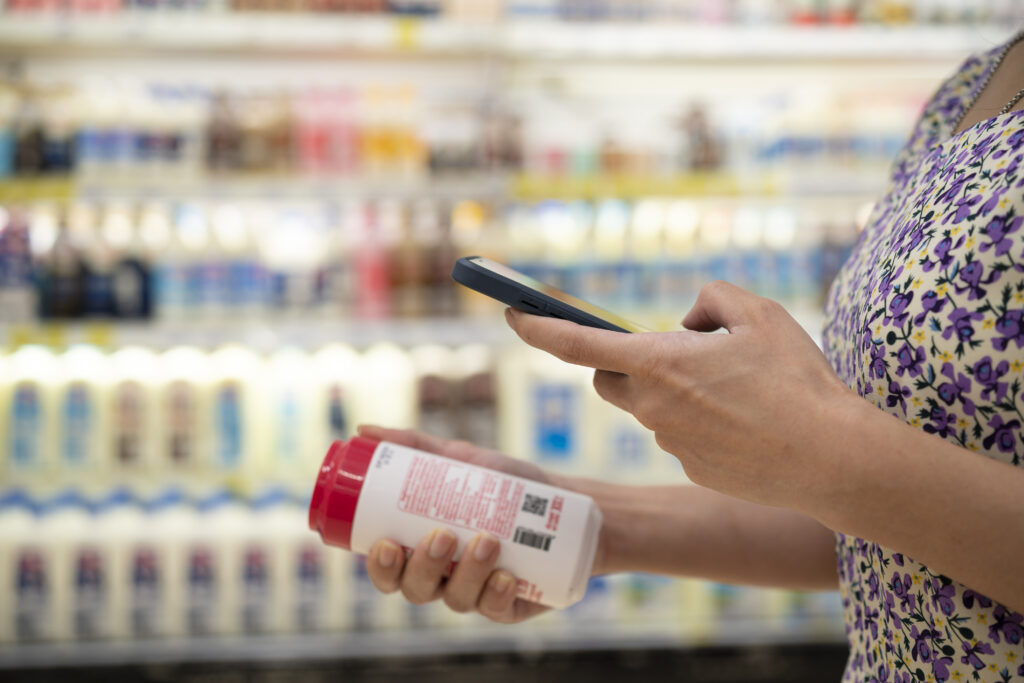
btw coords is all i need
(532, 539)
(535, 505)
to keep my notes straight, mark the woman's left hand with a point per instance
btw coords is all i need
(751, 413)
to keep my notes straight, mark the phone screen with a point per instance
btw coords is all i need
(527, 281)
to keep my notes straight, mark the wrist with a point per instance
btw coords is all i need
(609, 557)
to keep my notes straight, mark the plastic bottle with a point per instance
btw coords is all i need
(337, 371)
(23, 570)
(133, 401)
(368, 490)
(130, 280)
(18, 297)
(183, 410)
(171, 524)
(290, 416)
(264, 569)
(236, 450)
(388, 387)
(29, 418)
(211, 578)
(84, 415)
(118, 525)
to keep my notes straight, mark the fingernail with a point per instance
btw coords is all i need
(501, 582)
(442, 544)
(387, 555)
(485, 547)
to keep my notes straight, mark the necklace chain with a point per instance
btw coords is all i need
(988, 77)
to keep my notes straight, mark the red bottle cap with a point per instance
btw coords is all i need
(336, 492)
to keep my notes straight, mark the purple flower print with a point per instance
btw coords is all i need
(943, 423)
(992, 202)
(910, 360)
(897, 395)
(931, 302)
(1013, 142)
(922, 650)
(942, 256)
(890, 608)
(960, 319)
(898, 558)
(1003, 436)
(971, 274)
(1009, 624)
(942, 598)
(988, 377)
(972, 651)
(878, 363)
(956, 187)
(872, 586)
(969, 596)
(964, 206)
(997, 232)
(897, 309)
(954, 390)
(1010, 326)
(901, 589)
(940, 668)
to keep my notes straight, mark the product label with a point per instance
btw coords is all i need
(128, 423)
(406, 494)
(309, 581)
(448, 491)
(90, 591)
(78, 421)
(145, 592)
(202, 591)
(26, 427)
(228, 426)
(181, 423)
(629, 449)
(337, 415)
(32, 595)
(555, 408)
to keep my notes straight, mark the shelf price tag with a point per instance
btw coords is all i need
(407, 33)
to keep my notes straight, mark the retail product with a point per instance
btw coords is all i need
(368, 490)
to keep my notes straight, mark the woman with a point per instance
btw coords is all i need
(796, 453)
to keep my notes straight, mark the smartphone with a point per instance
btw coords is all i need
(524, 293)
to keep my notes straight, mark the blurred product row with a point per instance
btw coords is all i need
(120, 130)
(362, 260)
(86, 418)
(170, 566)
(709, 11)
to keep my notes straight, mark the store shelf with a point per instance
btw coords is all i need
(483, 638)
(262, 334)
(253, 34)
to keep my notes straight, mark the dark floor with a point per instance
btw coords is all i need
(789, 664)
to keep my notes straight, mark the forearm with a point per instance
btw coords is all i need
(958, 512)
(692, 531)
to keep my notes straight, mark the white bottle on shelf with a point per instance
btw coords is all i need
(27, 401)
(23, 570)
(213, 570)
(133, 440)
(118, 523)
(238, 447)
(264, 579)
(290, 418)
(388, 387)
(336, 404)
(81, 571)
(161, 609)
(83, 416)
(183, 413)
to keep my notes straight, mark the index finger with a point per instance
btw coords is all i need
(576, 344)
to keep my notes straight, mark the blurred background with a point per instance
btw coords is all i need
(226, 232)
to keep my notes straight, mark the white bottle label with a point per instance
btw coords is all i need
(407, 493)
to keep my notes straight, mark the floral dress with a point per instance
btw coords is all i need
(925, 321)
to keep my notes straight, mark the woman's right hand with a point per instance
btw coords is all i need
(474, 585)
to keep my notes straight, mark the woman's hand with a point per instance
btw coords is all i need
(475, 584)
(749, 413)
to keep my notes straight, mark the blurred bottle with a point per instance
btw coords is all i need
(166, 256)
(81, 571)
(264, 564)
(212, 571)
(29, 389)
(133, 437)
(436, 390)
(130, 278)
(291, 418)
(184, 412)
(370, 260)
(224, 137)
(475, 375)
(240, 286)
(337, 370)
(98, 259)
(197, 264)
(118, 524)
(159, 599)
(18, 296)
(388, 387)
(84, 417)
(8, 138)
(25, 610)
(237, 451)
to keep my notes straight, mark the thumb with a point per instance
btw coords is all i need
(720, 304)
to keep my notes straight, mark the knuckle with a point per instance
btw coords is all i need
(416, 594)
